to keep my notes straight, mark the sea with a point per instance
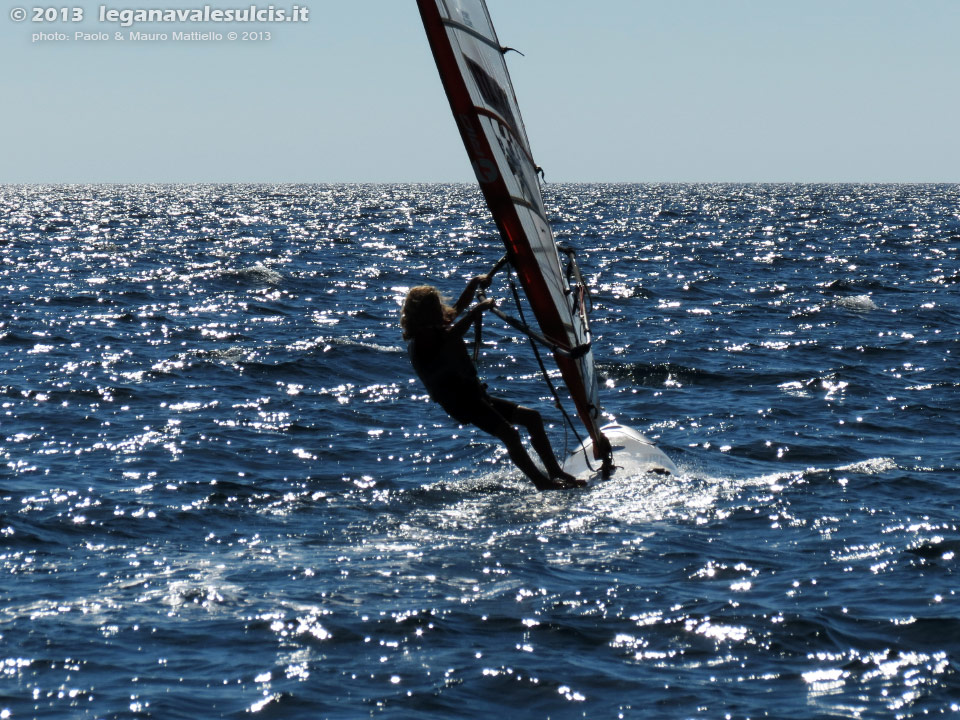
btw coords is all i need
(224, 493)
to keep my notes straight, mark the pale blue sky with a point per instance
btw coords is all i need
(611, 90)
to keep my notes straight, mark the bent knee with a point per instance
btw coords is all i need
(527, 416)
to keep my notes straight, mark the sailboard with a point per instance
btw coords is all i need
(635, 455)
(470, 60)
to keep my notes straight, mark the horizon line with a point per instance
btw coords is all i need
(71, 183)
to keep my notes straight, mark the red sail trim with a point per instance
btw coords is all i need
(505, 213)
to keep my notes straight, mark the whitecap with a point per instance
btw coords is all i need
(860, 303)
(260, 273)
(873, 466)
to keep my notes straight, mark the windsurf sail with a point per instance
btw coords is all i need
(471, 63)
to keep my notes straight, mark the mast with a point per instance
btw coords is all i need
(470, 61)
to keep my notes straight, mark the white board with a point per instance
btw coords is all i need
(633, 456)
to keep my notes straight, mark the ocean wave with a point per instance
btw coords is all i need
(860, 303)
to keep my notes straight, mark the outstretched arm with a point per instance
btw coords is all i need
(467, 295)
(463, 324)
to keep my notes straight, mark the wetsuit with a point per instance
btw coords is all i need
(440, 358)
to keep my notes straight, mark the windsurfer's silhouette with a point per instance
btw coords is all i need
(440, 357)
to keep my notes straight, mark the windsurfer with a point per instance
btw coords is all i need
(440, 357)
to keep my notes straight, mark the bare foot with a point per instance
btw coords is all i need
(564, 481)
(561, 481)
(570, 480)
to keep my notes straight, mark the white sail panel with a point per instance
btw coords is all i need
(471, 63)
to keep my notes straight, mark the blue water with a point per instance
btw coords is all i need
(223, 493)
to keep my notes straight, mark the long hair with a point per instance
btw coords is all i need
(424, 307)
